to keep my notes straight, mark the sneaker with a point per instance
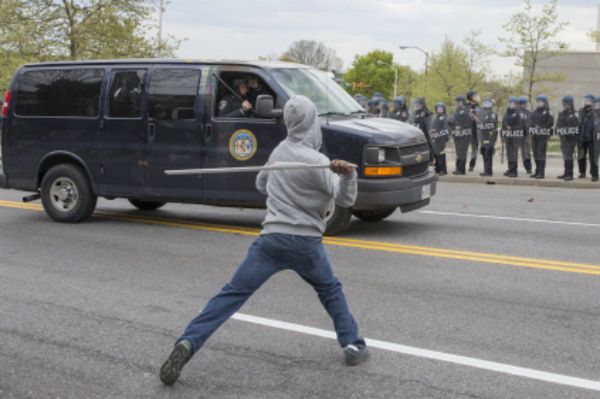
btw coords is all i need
(595, 178)
(485, 174)
(568, 178)
(582, 175)
(170, 370)
(355, 355)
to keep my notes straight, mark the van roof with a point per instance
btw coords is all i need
(167, 61)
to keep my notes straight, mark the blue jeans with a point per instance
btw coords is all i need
(268, 255)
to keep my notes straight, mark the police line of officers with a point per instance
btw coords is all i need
(477, 126)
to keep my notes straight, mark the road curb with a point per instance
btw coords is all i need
(521, 181)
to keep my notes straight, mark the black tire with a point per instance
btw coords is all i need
(146, 205)
(374, 215)
(67, 194)
(338, 221)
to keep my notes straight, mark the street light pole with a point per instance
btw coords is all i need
(379, 62)
(421, 50)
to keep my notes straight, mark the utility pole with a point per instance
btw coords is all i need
(161, 12)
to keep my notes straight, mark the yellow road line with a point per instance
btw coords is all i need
(480, 257)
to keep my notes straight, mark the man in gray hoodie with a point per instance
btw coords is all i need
(291, 239)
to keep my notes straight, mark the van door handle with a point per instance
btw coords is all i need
(151, 131)
(208, 132)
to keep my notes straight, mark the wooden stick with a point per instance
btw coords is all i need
(242, 169)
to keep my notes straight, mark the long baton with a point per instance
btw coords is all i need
(245, 169)
(239, 98)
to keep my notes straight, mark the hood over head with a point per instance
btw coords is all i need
(302, 122)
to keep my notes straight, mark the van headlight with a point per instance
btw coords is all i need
(374, 155)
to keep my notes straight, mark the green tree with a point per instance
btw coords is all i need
(478, 54)
(532, 39)
(447, 74)
(373, 69)
(41, 30)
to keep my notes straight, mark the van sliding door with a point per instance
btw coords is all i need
(123, 135)
(175, 139)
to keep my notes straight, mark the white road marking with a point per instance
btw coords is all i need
(434, 355)
(515, 219)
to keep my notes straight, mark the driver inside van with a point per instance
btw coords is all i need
(256, 89)
(230, 105)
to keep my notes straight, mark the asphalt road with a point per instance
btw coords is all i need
(492, 273)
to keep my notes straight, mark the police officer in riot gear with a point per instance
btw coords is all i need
(230, 105)
(473, 105)
(487, 131)
(567, 128)
(439, 134)
(513, 132)
(586, 135)
(540, 130)
(596, 137)
(461, 131)
(384, 109)
(399, 110)
(526, 149)
(422, 119)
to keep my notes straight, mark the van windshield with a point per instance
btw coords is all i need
(324, 92)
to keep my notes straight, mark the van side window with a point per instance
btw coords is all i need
(172, 93)
(125, 96)
(246, 86)
(68, 92)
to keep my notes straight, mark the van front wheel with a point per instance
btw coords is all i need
(146, 205)
(67, 195)
(337, 219)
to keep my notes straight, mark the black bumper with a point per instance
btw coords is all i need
(404, 192)
(3, 180)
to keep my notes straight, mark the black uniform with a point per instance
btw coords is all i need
(596, 138)
(540, 130)
(513, 132)
(474, 144)
(585, 145)
(487, 132)
(230, 106)
(567, 128)
(461, 131)
(526, 144)
(439, 133)
(399, 113)
(422, 120)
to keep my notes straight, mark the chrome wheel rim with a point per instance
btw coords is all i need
(64, 195)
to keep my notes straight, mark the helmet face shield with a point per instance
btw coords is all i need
(440, 109)
(597, 105)
(541, 103)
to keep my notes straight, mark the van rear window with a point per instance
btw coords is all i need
(68, 92)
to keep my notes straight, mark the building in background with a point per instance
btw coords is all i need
(580, 72)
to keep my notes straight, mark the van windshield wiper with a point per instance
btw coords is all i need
(358, 111)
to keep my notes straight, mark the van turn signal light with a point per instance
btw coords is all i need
(383, 171)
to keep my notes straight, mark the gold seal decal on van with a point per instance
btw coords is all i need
(242, 145)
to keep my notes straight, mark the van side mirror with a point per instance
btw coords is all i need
(265, 107)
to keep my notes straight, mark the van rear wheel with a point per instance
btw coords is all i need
(67, 195)
(337, 219)
(146, 205)
(374, 215)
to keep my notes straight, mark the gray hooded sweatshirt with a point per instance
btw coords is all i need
(297, 199)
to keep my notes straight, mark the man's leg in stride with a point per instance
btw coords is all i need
(316, 270)
(257, 268)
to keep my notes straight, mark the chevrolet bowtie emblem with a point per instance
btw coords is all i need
(419, 158)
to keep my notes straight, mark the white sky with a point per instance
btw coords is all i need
(247, 29)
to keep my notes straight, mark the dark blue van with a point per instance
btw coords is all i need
(76, 131)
